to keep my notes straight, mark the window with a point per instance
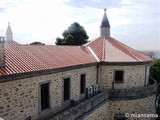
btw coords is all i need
(82, 83)
(66, 89)
(44, 96)
(118, 76)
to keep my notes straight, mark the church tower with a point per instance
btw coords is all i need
(9, 35)
(105, 26)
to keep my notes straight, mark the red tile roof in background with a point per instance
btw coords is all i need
(28, 58)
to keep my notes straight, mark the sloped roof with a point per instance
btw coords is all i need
(28, 58)
(111, 50)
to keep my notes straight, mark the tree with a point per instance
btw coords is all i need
(74, 35)
(155, 72)
(37, 43)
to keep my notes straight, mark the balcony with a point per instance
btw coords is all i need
(134, 93)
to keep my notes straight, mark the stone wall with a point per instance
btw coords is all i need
(99, 106)
(134, 76)
(83, 109)
(134, 93)
(101, 113)
(136, 106)
(20, 98)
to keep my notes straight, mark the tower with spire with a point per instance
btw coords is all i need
(105, 26)
(9, 34)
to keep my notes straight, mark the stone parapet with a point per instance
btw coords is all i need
(78, 111)
(134, 93)
(87, 106)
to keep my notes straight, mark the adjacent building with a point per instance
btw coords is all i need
(101, 80)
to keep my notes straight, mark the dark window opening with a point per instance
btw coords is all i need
(66, 89)
(82, 83)
(119, 76)
(44, 96)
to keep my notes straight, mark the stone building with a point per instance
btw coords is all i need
(101, 80)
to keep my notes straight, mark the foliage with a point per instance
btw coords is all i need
(74, 35)
(37, 43)
(155, 72)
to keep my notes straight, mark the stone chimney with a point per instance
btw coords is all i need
(2, 56)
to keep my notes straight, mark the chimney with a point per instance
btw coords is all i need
(2, 56)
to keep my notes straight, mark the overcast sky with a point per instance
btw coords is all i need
(133, 22)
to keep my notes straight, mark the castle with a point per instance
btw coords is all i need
(101, 80)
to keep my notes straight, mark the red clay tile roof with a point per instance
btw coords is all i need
(111, 50)
(27, 58)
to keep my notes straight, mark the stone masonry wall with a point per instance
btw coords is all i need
(109, 109)
(134, 76)
(101, 113)
(20, 98)
(136, 106)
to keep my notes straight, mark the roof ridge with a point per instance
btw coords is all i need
(92, 52)
(103, 56)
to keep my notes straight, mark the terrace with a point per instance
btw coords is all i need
(88, 105)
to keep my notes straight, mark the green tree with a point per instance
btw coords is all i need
(74, 35)
(37, 43)
(155, 72)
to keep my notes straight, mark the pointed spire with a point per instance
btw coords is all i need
(105, 21)
(9, 35)
(105, 26)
